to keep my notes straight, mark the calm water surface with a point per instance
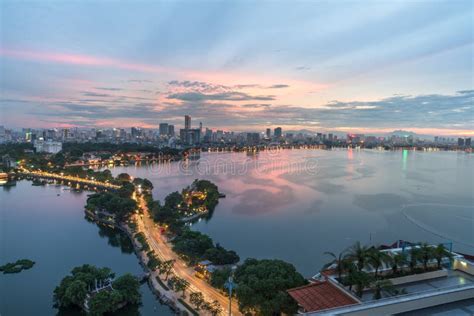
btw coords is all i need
(37, 224)
(297, 204)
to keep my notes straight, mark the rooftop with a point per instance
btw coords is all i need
(319, 295)
(453, 279)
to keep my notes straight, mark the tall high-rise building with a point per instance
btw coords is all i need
(460, 142)
(277, 132)
(171, 130)
(268, 133)
(164, 129)
(467, 142)
(187, 122)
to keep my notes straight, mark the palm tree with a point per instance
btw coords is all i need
(182, 285)
(165, 267)
(439, 253)
(377, 259)
(359, 254)
(341, 264)
(426, 254)
(382, 285)
(414, 257)
(398, 261)
(197, 299)
(361, 281)
(216, 308)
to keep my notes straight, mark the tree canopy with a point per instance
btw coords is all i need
(262, 286)
(74, 289)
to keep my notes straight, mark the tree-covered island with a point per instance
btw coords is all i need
(17, 266)
(96, 290)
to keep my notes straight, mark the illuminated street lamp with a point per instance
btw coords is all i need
(230, 285)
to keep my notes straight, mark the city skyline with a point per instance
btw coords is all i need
(240, 67)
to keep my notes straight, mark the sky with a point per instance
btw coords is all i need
(347, 66)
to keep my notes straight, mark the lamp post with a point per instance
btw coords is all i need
(230, 285)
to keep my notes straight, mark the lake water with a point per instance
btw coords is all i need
(37, 224)
(297, 204)
(288, 204)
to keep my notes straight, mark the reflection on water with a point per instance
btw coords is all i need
(297, 204)
(46, 224)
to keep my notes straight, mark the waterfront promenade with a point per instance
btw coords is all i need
(48, 175)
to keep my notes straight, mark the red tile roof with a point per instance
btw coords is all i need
(320, 295)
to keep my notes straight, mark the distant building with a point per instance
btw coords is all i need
(208, 135)
(253, 138)
(268, 133)
(164, 129)
(187, 122)
(190, 136)
(171, 130)
(277, 132)
(461, 142)
(467, 142)
(136, 132)
(48, 146)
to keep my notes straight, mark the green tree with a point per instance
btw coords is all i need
(380, 286)
(104, 302)
(221, 256)
(439, 253)
(76, 292)
(377, 259)
(426, 254)
(398, 261)
(361, 281)
(220, 277)
(165, 267)
(124, 177)
(197, 299)
(192, 244)
(262, 286)
(415, 255)
(359, 255)
(338, 260)
(181, 285)
(129, 288)
(216, 308)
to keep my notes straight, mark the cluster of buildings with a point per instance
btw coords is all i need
(166, 136)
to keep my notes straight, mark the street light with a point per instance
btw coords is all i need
(230, 285)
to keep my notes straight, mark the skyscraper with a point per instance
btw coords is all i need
(277, 132)
(171, 130)
(187, 122)
(467, 142)
(164, 129)
(269, 133)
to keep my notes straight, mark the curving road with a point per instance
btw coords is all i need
(164, 252)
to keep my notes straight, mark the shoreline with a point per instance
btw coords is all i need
(155, 287)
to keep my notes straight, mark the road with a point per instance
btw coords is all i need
(48, 175)
(164, 252)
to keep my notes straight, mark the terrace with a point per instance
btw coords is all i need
(423, 285)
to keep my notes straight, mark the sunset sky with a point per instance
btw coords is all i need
(348, 66)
